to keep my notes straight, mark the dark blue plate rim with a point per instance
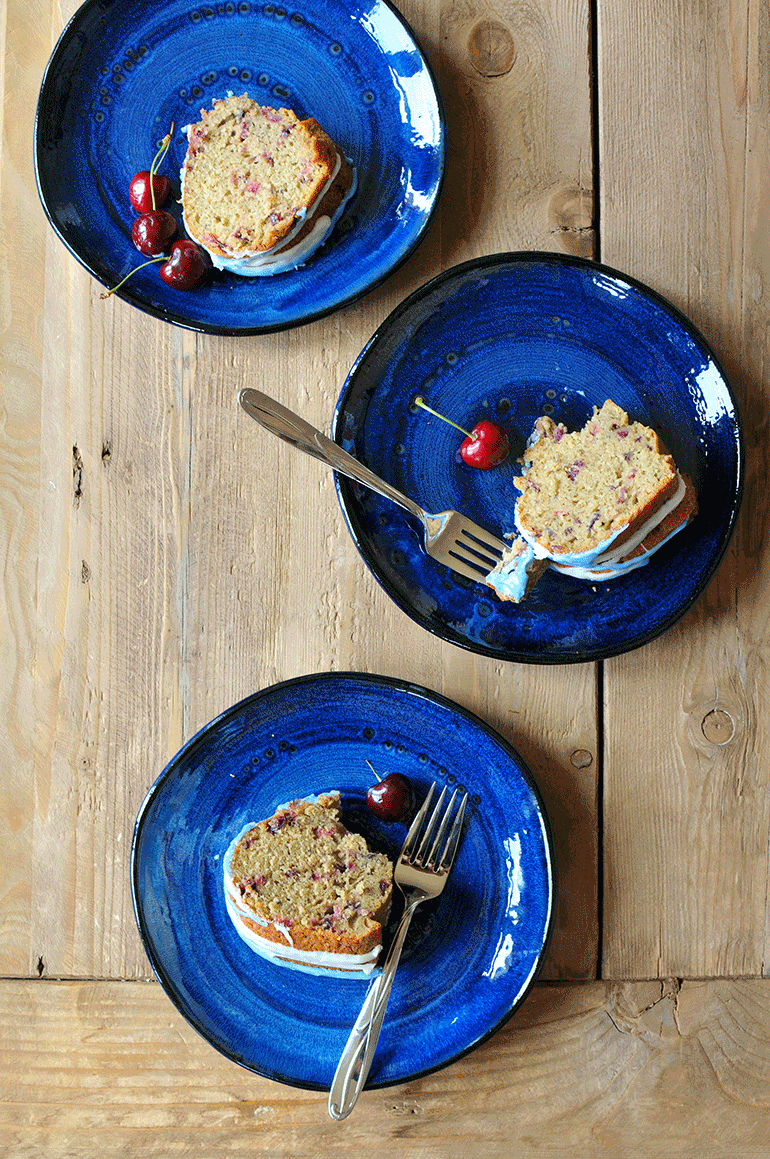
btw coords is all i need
(411, 689)
(348, 500)
(177, 319)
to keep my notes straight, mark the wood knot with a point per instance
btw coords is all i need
(718, 726)
(581, 759)
(491, 49)
(571, 208)
(570, 215)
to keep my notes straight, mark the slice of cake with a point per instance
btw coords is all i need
(594, 503)
(261, 189)
(304, 891)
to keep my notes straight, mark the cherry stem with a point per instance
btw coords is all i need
(421, 403)
(157, 160)
(151, 262)
(371, 766)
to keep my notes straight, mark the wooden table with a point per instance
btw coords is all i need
(136, 604)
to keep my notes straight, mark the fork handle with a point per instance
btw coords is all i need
(295, 430)
(356, 1060)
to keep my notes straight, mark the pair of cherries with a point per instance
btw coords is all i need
(186, 263)
(147, 191)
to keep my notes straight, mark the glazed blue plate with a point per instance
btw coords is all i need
(470, 957)
(124, 70)
(510, 337)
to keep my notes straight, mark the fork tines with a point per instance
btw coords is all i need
(431, 847)
(476, 550)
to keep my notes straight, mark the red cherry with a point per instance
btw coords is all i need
(484, 447)
(142, 187)
(391, 799)
(148, 190)
(185, 266)
(487, 446)
(153, 231)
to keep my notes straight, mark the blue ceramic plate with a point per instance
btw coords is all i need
(470, 957)
(124, 70)
(510, 337)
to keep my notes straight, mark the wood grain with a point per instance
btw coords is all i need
(176, 558)
(597, 1069)
(686, 810)
(516, 82)
(162, 558)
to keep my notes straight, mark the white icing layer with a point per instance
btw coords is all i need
(313, 961)
(611, 571)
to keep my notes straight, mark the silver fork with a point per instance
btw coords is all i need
(420, 873)
(450, 538)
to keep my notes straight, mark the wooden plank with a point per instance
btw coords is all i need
(687, 817)
(516, 82)
(24, 273)
(593, 1069)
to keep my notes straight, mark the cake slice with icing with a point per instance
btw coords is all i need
(594, 503)
(303, 890)
(261, 188)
